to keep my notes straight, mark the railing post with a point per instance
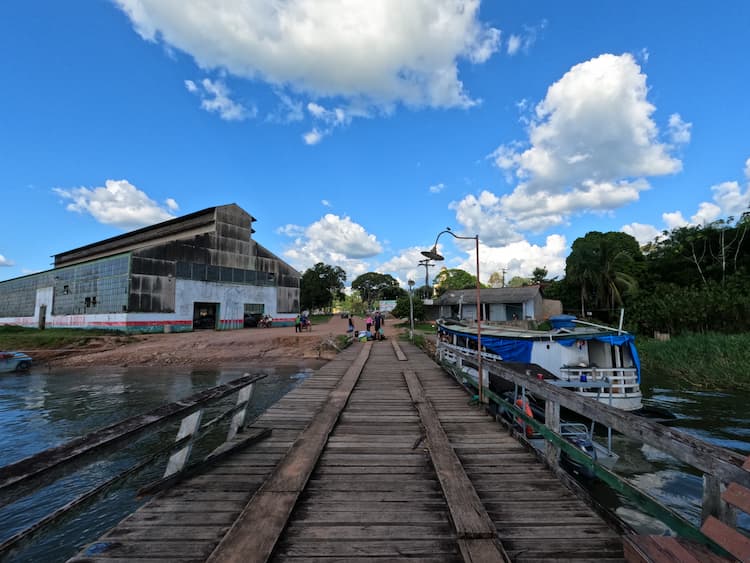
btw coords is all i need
(552, 421)
(713, 505)
(238, 419)
(188, 427)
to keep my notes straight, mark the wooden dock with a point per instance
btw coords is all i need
(377, 456)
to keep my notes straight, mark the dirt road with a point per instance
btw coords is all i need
(275, 345)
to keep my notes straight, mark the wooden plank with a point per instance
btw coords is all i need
(256, 531)
(389, 548)
(666, 549)
(397, 349)
(104, 550)
(467, 512)
(482, 551)
(363, 533)
(738, 496)
(730, 539)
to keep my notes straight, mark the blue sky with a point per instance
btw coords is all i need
(355, 131)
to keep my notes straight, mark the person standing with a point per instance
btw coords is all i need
(297, 324)
(350, 329)
(368, 323)
(378, 321)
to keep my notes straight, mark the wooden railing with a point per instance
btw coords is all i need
(720, 467)
(27, 476)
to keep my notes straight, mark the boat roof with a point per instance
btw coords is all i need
(509, 331)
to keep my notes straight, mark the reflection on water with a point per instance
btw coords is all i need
(45, 409)
(719, 418)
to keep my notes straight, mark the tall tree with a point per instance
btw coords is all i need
(604, 266)
(496, 279)
(320, 285)
(699, 254)
(453, 278)
(373, 286)
(539, 275)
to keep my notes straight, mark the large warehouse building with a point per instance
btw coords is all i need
(202, 270)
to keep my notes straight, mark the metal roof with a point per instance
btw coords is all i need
(490, 295)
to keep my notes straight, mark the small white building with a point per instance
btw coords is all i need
(497, 304)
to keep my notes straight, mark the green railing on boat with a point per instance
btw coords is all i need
(718, 465)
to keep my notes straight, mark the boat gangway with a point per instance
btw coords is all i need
(380, 455)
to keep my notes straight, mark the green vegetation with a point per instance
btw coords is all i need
(20, 338)
(453, 278)
(690, 279)
(401, 310)
(709, 361)
(321, 285)
(374, 286)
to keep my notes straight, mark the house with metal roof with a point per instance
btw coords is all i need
(202, 270)
(497, 304)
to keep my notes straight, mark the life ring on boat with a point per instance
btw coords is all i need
(524, 406)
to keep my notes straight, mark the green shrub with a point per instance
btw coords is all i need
(699, 361)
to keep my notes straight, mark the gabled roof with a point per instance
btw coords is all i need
(200, 221)
(490, 295)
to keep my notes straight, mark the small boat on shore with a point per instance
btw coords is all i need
(592, 360)
(14, 361)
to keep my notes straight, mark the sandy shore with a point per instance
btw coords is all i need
(275, 345)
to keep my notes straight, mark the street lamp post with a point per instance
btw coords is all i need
(433, 254)
(411, 310)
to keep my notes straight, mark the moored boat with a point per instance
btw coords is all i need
(14, 361)
(592, 360)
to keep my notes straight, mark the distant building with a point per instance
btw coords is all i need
(497, 304)
(201, 270)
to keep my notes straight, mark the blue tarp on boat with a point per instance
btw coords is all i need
(519, 350)
(509, 349)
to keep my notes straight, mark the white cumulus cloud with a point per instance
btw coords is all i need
(728, 199)
(592, 144)
(385, 52)
(679, 130)
(514, 44)
(437, 188)
(117, 203)
(641, 232)
(215, 99)
(5, 262)
(485, 216)
(518, 258)
(332, 240)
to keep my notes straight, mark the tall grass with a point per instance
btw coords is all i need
(710, 361)
(19, 338)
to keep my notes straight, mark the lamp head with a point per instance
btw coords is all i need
(433, 254)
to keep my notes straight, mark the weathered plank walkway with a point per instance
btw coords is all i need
(372, 458)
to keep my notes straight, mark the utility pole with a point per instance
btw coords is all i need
(503, 271)
(427, 265)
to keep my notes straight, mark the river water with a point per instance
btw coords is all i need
(723, 419)
(43, 409)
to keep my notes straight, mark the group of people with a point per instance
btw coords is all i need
(301, 322)
(373, 327)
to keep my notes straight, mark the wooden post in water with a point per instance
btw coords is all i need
(238, 419)
(713, 504)
(552, 421)
(188, 428)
